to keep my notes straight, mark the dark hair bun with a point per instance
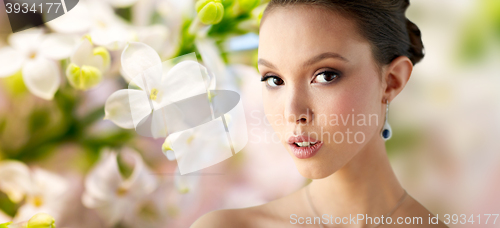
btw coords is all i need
(416, 45)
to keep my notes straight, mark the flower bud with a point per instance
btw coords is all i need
(83, 78)
(41, 220)
(210, 11)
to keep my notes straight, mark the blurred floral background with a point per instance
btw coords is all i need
(67, 150)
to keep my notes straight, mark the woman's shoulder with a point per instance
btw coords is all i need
(270, 214)
(417, 214)
(242, 217)
(219, 218)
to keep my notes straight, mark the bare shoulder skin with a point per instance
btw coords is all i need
(272, 214)
(278, 213)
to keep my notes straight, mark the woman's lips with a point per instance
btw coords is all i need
(303, 152)
(306, 151)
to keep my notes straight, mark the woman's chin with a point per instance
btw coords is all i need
(313, 170)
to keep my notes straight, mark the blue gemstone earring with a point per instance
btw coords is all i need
(386, 132)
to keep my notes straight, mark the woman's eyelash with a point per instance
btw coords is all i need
(335, 77)
(329, 73)
(265, 77)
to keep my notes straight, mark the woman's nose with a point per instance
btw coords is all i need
(297, 107)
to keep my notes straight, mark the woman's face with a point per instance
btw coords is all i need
(320, 81)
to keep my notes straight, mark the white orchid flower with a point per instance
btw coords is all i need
(43, 191)
(34, 52)
(176, 101)
(98, 19)
(201, 147)
(154, 36)
(108, 29)
(154, 85)
(112, 195)
(48, 194)
(88, 65)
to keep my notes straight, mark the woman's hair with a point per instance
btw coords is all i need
(382, 22)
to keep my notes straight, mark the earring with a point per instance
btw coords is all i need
(386, 132)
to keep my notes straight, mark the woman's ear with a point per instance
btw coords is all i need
(396, 76)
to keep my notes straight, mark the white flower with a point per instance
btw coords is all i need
(112, 195)
(108, 29)
(34, 52)
(200, 147)
(97, 18)
(154, 85)
(48, 194)
(87, 65)
(43, 191)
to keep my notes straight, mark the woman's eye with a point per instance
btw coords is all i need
(326, 77)
(273, 81)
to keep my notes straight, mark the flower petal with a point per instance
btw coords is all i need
(142, 181)
(57, 46)
(77, 20)
(104, 179)
(114, 38)
(170, 155)
(206, 146)
(111, 210)
(138, 57)
(183, 81)
(185, 183)
(28, 210)
(154, 36)
(10, 61)
(83, 53)
(15, 180)
(50, 186)
(212, 59)
(42, 78)
(26, 41)
(126, 107)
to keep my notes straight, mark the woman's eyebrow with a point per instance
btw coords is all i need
(266, 63)
(311, 61)
(322, 56)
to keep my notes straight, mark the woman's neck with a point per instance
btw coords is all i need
(366, 185)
